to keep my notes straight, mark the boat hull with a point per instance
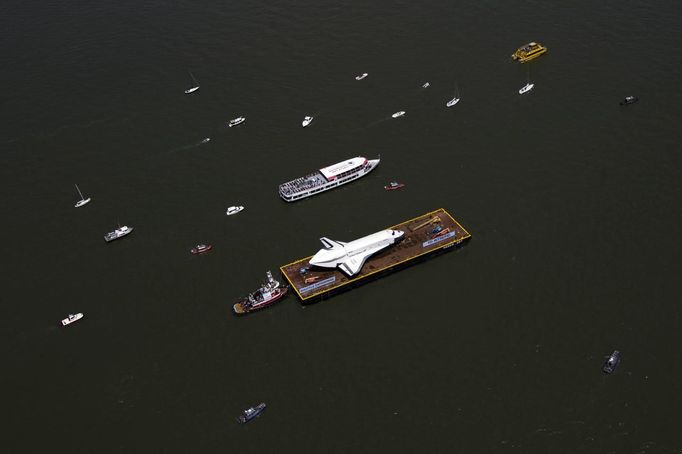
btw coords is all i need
(241, 308)
(82, 202)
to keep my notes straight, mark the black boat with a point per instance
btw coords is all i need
(251, 413)
(610, 365)
(629, 100)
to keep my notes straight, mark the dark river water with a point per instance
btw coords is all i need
(573, 203)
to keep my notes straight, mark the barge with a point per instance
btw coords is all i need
(423, 238)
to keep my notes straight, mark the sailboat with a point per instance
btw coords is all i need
(454, 100)
(195, 87)
(528, 87)
(83, 200)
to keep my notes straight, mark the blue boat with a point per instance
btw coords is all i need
(610, 365)
(251, 413)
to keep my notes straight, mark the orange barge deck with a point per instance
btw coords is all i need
(420, 241)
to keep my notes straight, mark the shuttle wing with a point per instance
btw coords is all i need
(353, 265)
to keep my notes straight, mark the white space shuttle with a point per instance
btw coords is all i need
(350, 257)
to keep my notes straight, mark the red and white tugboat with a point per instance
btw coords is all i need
(393, 185)
(268, 293)
(200, 249)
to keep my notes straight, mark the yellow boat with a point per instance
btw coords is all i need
(528, 52)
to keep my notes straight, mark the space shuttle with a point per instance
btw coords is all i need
(349, 257)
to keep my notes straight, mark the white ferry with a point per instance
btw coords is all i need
(327, 178)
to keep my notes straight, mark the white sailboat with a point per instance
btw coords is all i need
(528, 87)
(83, 200)
(454, 100)
(195, 87)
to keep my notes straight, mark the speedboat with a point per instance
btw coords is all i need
(611, 363)
(452, 102)
(393, 185)
(201, 248)
(118, 233)
(361, 76)
(234, 210)
(526, 88)
(306, 121)
(206, 140)
(236, 121)
(251, 413)
(426, 85)
(72, 318)
(528, 52)
(398, 114)
(191, 90)
(629, 100)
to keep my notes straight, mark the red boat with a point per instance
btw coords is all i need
(268, 293)
(393, 185)
(201, 248)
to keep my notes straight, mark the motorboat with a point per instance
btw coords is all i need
(611, 363)
(452, 102)
(72, 318)
(398, 114)
(393, 185)
(526, 88)
(251, 413)
(629, 100)
(528, 52)
(195, 87)
(234, 210)
(206, 140)
(361, 76)
(236, 121)
(118, 233)
(200, 249)
(426, 85)
(306, 121)
(83, 200)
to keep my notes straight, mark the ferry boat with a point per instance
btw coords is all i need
(118, 233)
(200, 249)
(72, 318)
(528, 52)
(327, 178)
(269, 293)
(251, 413)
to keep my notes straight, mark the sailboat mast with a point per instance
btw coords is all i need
(79, 191)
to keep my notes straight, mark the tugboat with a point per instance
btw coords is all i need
(610, 365)
(200, 249)
(629, 100)
(269, 293)
(118, 233)
(393, 185)
(251, 413)
(72, 318)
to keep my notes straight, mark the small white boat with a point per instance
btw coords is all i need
(206, 140)
(398, 114)
(306, 121)
(195, 87)
(72, 318)
(361, 76)
(236, 121)
(83, 200)
(234, 210)
(526, 88)
(452, 102)
(426, 85)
